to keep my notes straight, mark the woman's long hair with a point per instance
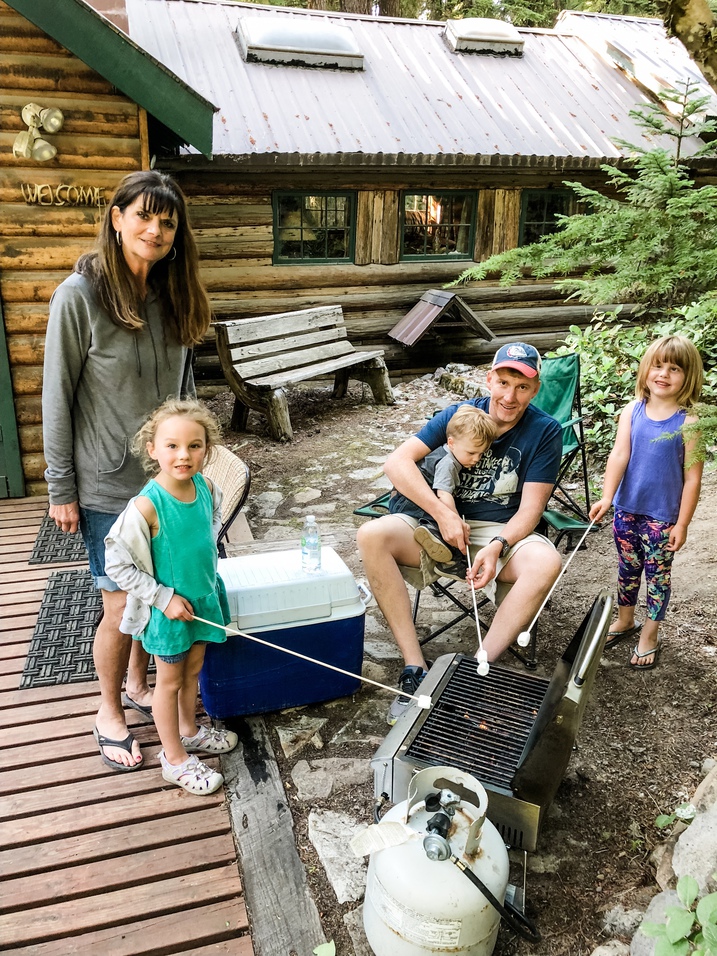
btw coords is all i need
(174, 278)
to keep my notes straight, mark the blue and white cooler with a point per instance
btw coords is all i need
(319, 614)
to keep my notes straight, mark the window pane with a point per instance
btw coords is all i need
(540, 207)
(437, 224)
(313, 226)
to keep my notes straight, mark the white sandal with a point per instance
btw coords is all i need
(210, 741)
(192, 775)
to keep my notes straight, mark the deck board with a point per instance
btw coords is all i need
(94, 861)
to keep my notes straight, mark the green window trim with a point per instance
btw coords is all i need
(313, 228)
(538, 209)
(438, 224)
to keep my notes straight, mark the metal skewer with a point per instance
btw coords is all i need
(481, 656)
(524, 636)
(423, 700)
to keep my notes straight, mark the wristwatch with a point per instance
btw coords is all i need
(505, 546)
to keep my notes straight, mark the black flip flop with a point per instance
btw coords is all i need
(614, 637)
(125, 744)
(143, 709)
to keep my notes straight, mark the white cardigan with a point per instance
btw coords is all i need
(128, 561)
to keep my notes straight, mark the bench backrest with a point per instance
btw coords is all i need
(252, 349)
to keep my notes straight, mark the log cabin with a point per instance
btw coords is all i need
(327, 158)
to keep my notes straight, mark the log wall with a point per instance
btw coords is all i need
(40, 239)
(47, 219)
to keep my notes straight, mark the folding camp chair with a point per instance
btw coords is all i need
(412, 576)
(559, 396)
(233, 476)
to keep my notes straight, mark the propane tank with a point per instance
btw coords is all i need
(417, 901)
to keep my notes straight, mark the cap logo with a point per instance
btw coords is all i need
(516, 352)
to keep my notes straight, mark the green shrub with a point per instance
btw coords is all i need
(610, 353)
(689, 928)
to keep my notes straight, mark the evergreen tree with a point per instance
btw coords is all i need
(649, 240)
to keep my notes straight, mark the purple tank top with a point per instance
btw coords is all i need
(653, 480)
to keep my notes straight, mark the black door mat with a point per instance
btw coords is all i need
(53, 546)
(61, 646)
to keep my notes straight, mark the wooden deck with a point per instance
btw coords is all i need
(91, 861)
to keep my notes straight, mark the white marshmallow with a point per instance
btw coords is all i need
(482, 656)
(483, 668)
(424, 702)
(524, 638)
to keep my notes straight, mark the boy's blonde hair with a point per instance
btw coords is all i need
(679, 351)
(184, 408)
(472, 423)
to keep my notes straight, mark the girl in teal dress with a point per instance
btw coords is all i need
(163, 552)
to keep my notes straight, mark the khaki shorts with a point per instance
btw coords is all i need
(482, 533)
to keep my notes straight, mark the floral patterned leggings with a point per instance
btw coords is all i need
(640, 543)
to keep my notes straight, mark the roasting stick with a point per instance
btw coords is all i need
(482, 656)
(423, 700)
(524, 636)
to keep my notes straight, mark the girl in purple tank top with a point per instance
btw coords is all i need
(655, 486)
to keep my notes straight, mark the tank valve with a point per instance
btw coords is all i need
(435, 842)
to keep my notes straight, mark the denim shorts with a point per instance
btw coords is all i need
(176, 658)
(95, 526)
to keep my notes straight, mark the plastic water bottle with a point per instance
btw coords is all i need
(310, 546)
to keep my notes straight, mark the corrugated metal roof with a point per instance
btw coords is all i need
(659, 62)
(415, 102)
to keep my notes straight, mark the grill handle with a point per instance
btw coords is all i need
(599, 630)
(517, 921)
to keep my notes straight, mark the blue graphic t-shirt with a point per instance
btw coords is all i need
(491, 490)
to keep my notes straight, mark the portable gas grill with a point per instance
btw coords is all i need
(513, 731)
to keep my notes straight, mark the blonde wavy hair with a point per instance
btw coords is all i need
(676, 350)
(473, 424)
(172, 408)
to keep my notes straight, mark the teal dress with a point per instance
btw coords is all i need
(184, 555)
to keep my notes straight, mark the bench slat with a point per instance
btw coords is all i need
(246, 353)
(298, 360)
(240, 331)
(322, 368)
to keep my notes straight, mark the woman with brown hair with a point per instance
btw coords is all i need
(119, 341)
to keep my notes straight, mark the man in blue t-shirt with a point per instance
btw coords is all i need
(500, 502)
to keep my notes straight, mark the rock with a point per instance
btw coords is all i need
(613, 947)
(365, 474)
(317, 779)
(706, 793)
(374, 671)
(696, 849)
(382, 650)
(368, 724)
(708, 764)
(267, 503)
(543, 863)
(353, 921)
(621, 922)
(330, 834)
(309, 494)
(294, 737)
(645, 945)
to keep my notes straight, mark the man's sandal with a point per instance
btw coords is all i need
(125, 745)
(654, 652)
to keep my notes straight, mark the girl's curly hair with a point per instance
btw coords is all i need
(182, 407)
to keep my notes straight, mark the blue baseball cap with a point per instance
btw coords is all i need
(520, 356)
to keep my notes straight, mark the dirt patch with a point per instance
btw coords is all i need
(644, 736)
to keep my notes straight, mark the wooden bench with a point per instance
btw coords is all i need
(259, 357)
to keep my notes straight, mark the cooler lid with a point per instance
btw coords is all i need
(270, 588)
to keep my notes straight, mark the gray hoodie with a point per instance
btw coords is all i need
(100, 383)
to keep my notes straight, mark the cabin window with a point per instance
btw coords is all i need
(437, 225)
(539, 211)
(314, 227)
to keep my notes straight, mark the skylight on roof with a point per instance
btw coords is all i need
(291, 42)
(483, 35)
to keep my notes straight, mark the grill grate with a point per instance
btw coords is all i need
(481, 724)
